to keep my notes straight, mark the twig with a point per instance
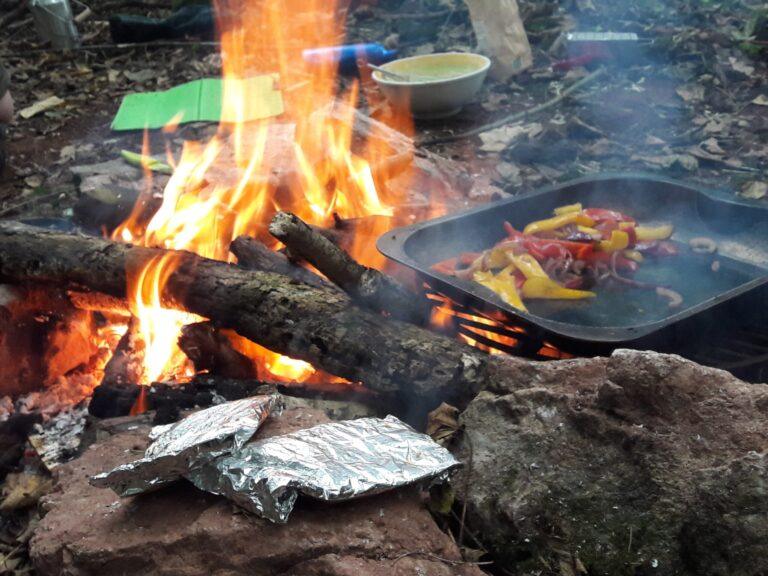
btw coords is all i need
(13, 14)
(86, 47)
(432, 556)
(30, 200)
(516, 116)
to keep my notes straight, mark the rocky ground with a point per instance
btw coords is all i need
(693, 106)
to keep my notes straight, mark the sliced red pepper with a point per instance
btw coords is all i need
(606, 227)
(601, 214)
(446, 266)
(512, 232)
(466, 258)
(542, 248)
(632, 233)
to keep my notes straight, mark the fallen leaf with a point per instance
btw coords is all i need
(754, 190)
(691, 92)
(113, 75)
(761, 100)
(23, 490)
(33, 181)
(498, 139)
(741, 66)
(443, 423)
(509, 172)
(67, 153)
(686, 161)
(654, 141)
(40, 106)
(141, 75)
(712, 146)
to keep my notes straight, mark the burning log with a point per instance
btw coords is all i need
(97, 302)
(370, 287)
(212, 352)
(254, 255)
(315, 324)
(125, 368)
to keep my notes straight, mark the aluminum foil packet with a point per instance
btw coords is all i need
(337, 461)
(180, 447)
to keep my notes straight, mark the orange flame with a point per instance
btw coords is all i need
(227, 187)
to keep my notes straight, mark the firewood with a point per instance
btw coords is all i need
(369, 287)
(97, 302)
(125, 367)
(315, 324)
(212, 352)
(254, 255)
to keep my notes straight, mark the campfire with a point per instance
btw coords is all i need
(341, 172)
(310, 317)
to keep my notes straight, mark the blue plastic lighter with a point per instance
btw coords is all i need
(347, 55)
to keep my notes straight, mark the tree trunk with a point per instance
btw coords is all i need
(311, 323)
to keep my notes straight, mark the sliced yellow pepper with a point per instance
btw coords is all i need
(558, 222)
(529, 266)
(647, 233)
(568, 209)
(594, 232)
(497, 258)
(502, 284)
(619, 241)
(546, 288)
(634, 255)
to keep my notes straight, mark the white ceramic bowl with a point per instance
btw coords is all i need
(440, 84)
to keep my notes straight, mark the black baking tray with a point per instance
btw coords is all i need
(623, 316)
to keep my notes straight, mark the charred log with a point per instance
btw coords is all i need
(318, 325)
(212, 352)
(369, 287)
(125, 368)
(110, 401)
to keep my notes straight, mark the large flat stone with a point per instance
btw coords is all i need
(181, 531)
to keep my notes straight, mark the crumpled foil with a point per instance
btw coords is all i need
(181, 447)
(336, 461)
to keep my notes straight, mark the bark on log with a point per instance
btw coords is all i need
(97, 302)
(369, 287)
(318, 325)
(254, 255)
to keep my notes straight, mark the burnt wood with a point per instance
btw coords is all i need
(315, 324)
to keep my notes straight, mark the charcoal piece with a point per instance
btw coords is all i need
(113, 401)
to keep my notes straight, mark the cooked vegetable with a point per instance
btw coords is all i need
(703, 245)
(568, 209)
(558, 222)
(504, 285)
(674, 299)
(645, 233)
(561, 257)
(537, 287)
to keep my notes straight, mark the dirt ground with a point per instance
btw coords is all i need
(693, 106)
